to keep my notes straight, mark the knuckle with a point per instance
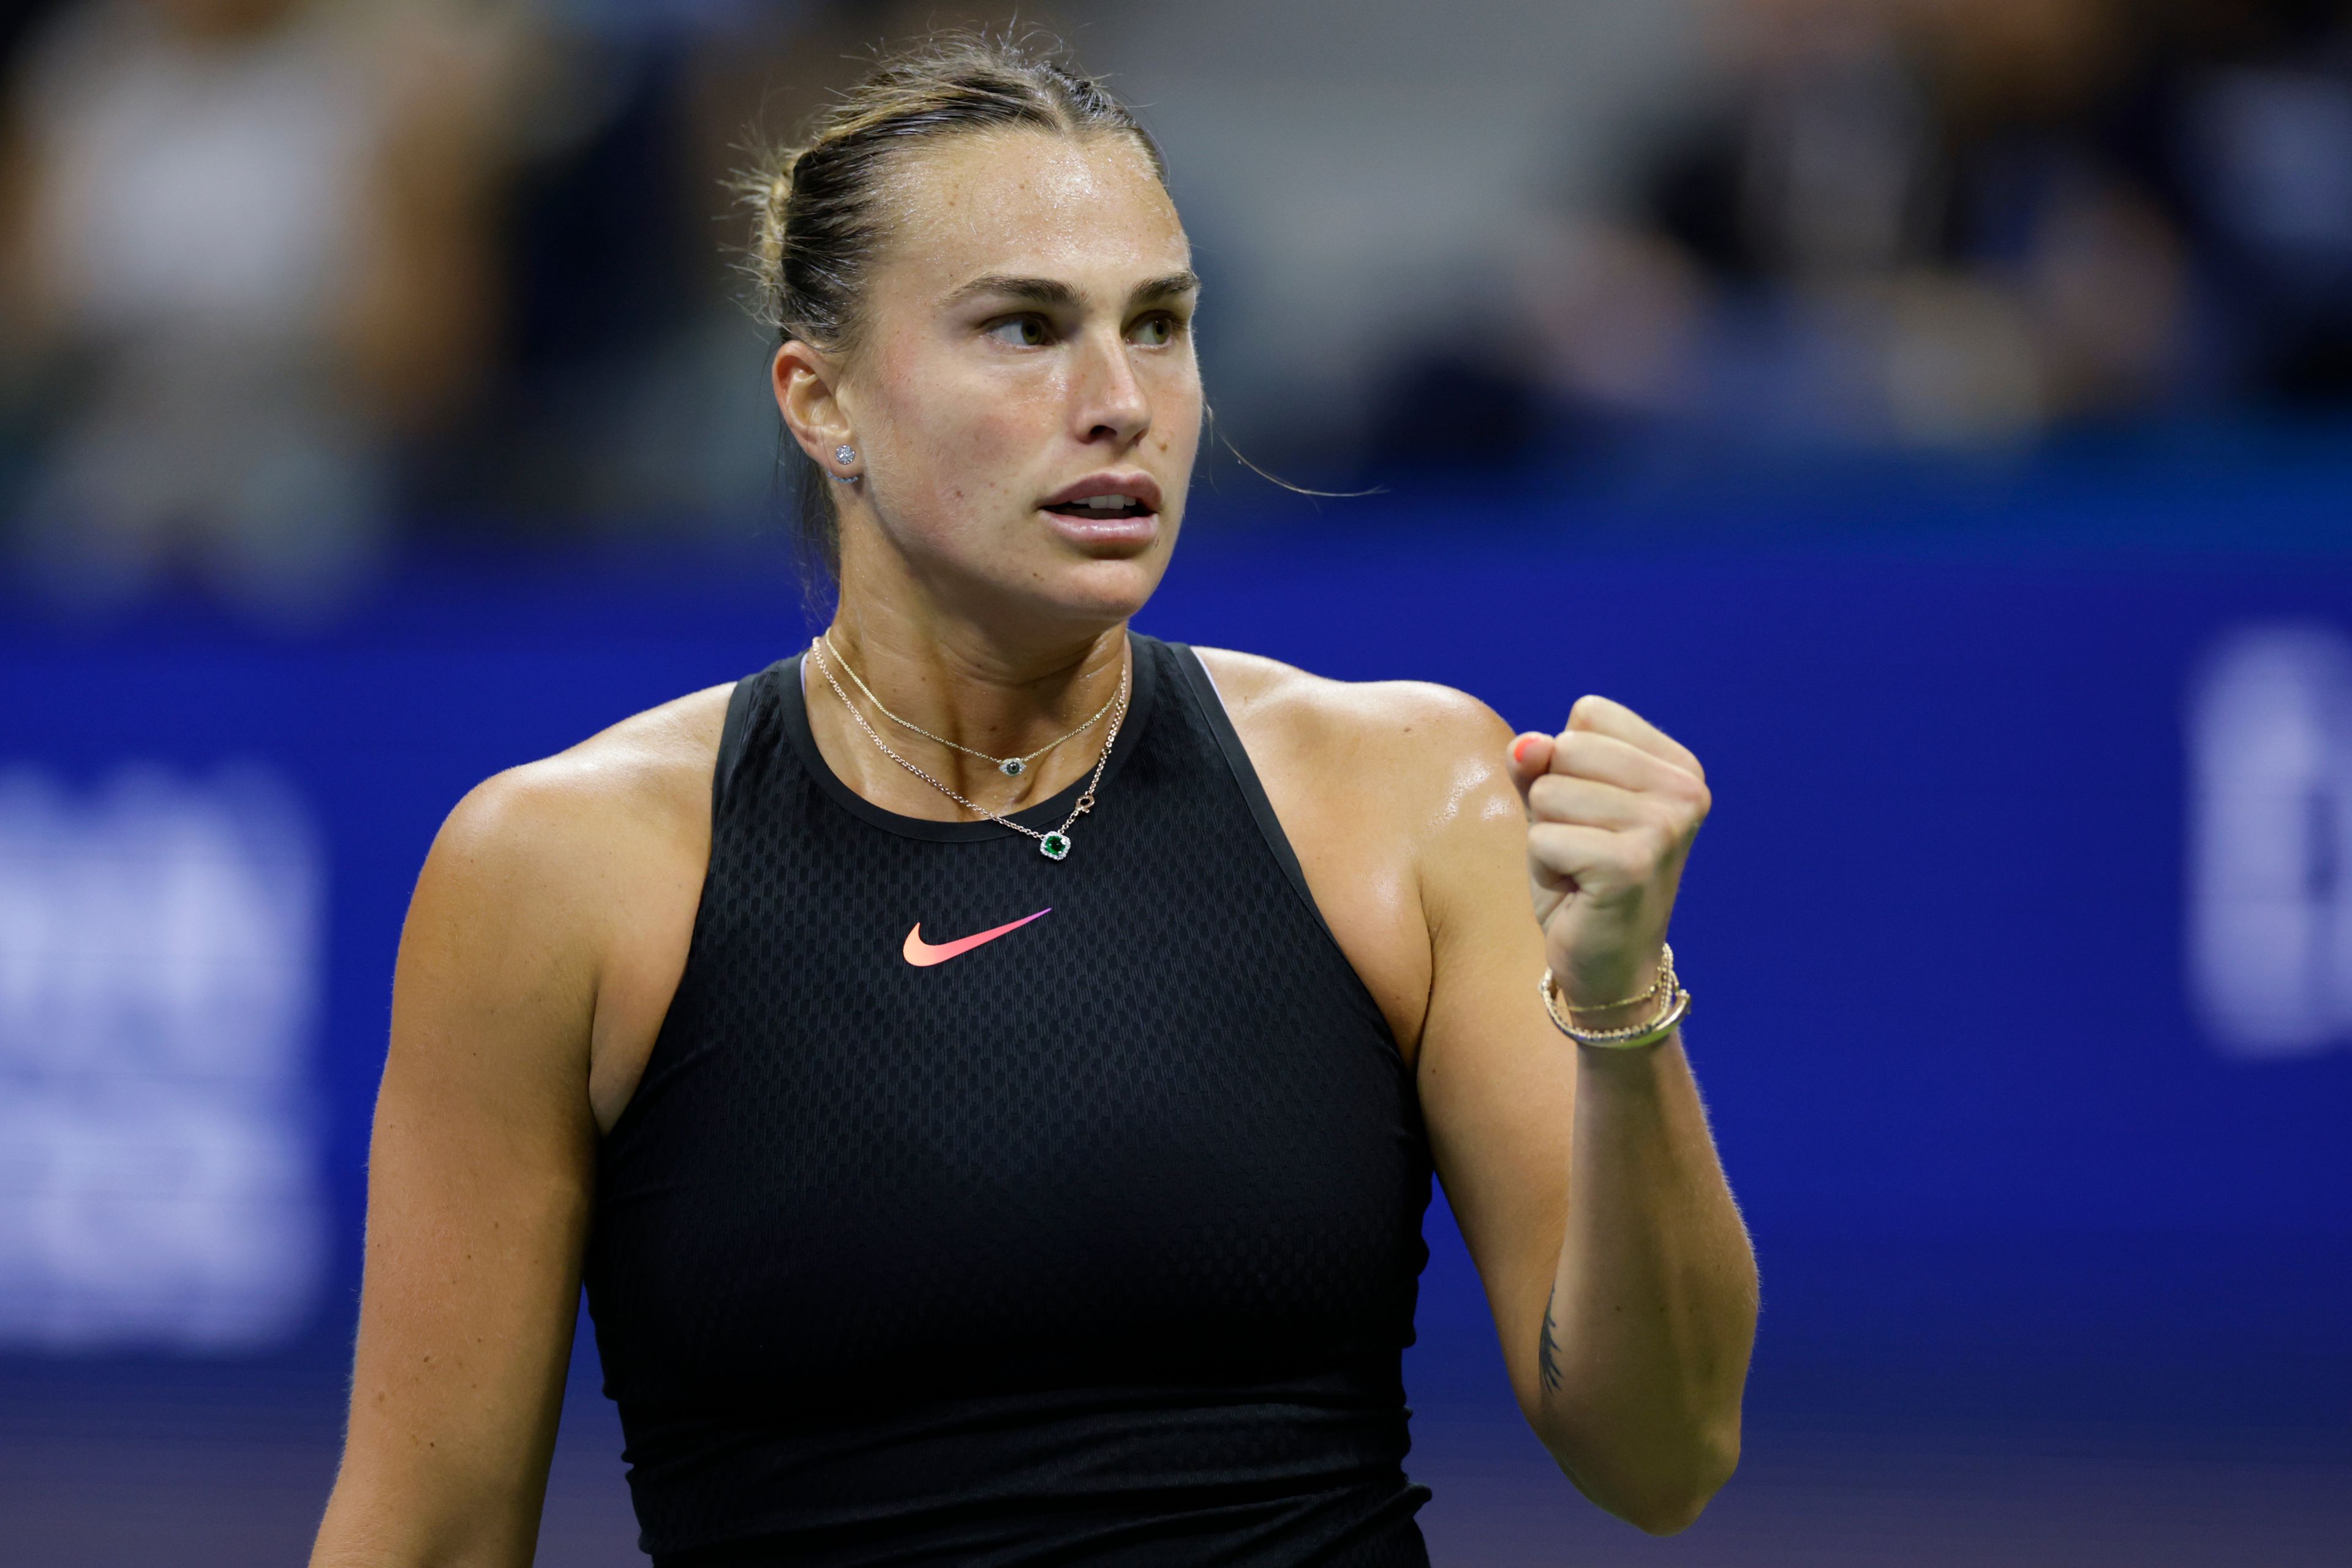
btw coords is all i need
(1688, 793)
(1687, 797)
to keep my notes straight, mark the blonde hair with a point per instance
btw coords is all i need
(818, 214)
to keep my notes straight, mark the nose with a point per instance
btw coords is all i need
(1108, 402)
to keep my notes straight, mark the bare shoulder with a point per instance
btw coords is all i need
(648, 775)
(1395, 796)
(1414, 734)
(553, 914)
(555, 850)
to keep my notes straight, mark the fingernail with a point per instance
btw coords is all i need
(1519, 749)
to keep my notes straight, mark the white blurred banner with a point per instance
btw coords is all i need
(159, 1167)
(2270, 841)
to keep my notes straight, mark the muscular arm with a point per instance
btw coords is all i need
(546, 937)
(1586, 1189)
(1585, 1182)
(478, 1201)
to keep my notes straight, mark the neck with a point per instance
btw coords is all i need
(1002, 695)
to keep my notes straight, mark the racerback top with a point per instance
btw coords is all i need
(1095, 1242)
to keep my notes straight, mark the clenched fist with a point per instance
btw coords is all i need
(1612, 805)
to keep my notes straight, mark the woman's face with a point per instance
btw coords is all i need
(1027, 345)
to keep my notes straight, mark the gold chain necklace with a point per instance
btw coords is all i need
(1054, 843)
(1011, 767)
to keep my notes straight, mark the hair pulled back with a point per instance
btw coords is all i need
(819, 208)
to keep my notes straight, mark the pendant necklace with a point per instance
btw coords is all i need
(1053, 843)
(1011, 767)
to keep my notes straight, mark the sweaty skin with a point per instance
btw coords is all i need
(1030, 331)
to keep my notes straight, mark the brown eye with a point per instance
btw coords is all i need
(1156, 332)
(1021, 331)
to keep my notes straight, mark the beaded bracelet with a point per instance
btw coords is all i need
(1675, 1008)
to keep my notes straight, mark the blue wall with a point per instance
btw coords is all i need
(1935, 920)
(1993, 1158)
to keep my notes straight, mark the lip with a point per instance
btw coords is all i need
(1109, 535)
(1133, 486)
(1117, 535)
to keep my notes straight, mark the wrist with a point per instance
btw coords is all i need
(1657, 1014)
(1615, 997)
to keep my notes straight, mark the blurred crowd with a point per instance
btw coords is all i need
(1941, 222)
(275, 273)
(283, 279)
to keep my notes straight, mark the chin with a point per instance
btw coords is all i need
(1100, 591)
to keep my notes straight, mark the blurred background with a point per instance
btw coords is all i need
(1937, 412)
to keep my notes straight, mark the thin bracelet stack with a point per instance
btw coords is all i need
(1673, 1007)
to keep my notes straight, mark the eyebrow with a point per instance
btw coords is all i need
(1052, 291)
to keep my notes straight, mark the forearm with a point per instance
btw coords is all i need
(369, 1526)
(446, 1460)
(1644, 1344)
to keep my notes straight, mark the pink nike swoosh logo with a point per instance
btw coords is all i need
(923, 954)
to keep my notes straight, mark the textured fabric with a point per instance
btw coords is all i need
(1096, 1242)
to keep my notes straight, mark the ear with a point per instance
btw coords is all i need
(806, 384)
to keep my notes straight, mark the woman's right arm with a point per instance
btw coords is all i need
(478, 1185)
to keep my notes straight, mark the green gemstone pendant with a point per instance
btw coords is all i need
(1013, 767)
(1054, 847)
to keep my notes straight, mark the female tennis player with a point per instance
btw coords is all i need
(988, 1068)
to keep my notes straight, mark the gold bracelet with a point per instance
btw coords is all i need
(1633, 1037)
(1663, 982)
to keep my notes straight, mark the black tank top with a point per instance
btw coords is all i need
(1096, 1242)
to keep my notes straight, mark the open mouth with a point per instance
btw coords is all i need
(1097, 509)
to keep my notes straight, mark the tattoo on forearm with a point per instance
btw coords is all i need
(1547, 1348)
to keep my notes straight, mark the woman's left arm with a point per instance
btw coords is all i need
(1584, 1180)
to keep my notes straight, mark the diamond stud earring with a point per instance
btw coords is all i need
(845, 454)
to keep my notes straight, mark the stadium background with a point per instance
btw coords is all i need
(1936, 412)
